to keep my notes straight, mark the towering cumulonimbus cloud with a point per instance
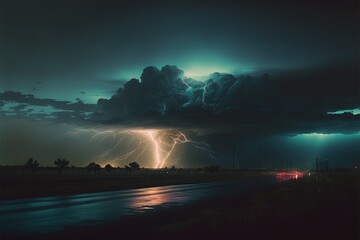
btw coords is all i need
(285, 101)
(168, 91)
(301, 97)
(158, 92)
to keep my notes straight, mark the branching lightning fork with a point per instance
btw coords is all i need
(163, 143)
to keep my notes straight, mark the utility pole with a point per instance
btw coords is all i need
(326, 165)
(274, 162)
(238, 159)
(234, 157)
(260, 161)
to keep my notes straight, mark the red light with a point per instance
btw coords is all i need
(284, 176)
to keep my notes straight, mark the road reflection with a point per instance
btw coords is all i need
(148, 198)
(54, 214)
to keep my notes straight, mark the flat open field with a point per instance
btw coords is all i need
(315, 207)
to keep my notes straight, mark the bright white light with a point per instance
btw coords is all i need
(317, 135)
(326, 135)
(202, 73)
(353, 111)
(197, 73)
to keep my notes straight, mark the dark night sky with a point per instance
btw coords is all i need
(92, 46)
(68, 54)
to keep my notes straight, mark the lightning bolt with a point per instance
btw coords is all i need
(163, 143)
(156, 148)
(203, 95)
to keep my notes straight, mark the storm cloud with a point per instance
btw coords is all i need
(291, 101)
(16, 104)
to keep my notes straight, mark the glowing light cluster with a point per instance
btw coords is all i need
(162, 143)
(289, 175)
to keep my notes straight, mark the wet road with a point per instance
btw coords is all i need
(54, 214)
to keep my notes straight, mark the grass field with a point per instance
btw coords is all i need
(316, 207)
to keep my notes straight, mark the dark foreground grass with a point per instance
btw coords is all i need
(318, 207)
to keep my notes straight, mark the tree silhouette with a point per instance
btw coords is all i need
(94, 166)
(61, 164)
(108, 167)
(134, 165)
(32, 165)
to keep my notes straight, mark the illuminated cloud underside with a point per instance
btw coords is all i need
(161, 142)
(353, 111)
